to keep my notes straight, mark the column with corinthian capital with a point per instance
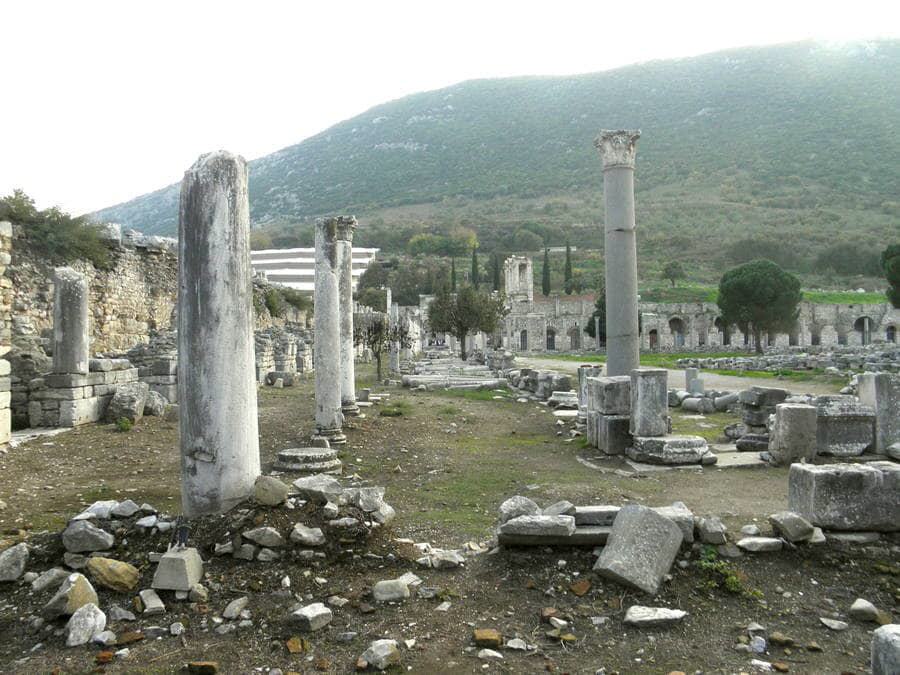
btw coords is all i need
(617, 150)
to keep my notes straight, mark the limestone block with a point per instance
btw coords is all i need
(518, 506)
(712, 530)
(610, 395)
(319, 487)
(886, 650)
(601, 515)
(592, 419)
(13, 561)
(649, 402)
(178, 570)
(850, 497)
(76, 591)
(86, 622)
(669, 450)
(114, 574)
(844, 427)
(82, 536)
(641, 548)
(539, 525)
(791, 526)
(881, 391)
(613, 435)
(681, 515)
(793, 436)
(83, 411)
(312, 617)
(650, 617)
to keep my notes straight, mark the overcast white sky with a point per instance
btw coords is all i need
(104, 101)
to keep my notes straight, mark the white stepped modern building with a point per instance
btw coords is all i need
(296, 267)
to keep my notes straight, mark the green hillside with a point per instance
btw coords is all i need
(794, 148)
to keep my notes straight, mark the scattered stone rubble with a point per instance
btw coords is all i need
(839, 361)
(628, 415)
(443, 370)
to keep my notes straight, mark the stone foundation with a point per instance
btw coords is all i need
(64, 400)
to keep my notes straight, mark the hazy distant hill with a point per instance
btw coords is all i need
(790, 137)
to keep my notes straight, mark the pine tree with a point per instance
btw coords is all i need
(476, 275)
(453, 275)
(568, 270)
(545, 273)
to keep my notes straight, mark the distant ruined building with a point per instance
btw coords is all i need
(557, 323)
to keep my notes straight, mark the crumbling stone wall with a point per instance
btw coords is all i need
(128, 300)
(6, 294)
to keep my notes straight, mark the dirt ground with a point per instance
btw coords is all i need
(447, 462)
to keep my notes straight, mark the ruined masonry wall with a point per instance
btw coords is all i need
(137, 294)
(6, 295)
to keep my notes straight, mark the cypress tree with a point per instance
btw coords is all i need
(453, 275)
(568, 270)
(545, 273)
(476, 276)
(496, 271)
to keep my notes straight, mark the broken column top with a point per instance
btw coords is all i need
(617, 147)
(344, 226)
(67, 274)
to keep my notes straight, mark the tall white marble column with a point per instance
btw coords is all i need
(617, 150)
(345, 228)
(216, 364)
(327, 334)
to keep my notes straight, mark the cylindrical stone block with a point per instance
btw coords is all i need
(329, 418)
(649, 402)
(71, 323)
(345, 228)
(617, 150)
(690, 374)
(216, 365)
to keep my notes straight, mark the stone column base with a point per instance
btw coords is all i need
(333, 436)
(350, 409)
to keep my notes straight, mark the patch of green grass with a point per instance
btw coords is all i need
(449, 411)
(710, 427)
(396, 408)
(844, 298)
(123, 424)
(683, 292)
(725, 575)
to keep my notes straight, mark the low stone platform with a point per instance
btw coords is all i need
(309, 460)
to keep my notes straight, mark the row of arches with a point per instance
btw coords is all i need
(863, 326)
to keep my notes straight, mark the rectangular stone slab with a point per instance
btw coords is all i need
(603, 515)
(640, 550)
(849, 497)
(588, 535)
(539, 525)
(669, 449)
